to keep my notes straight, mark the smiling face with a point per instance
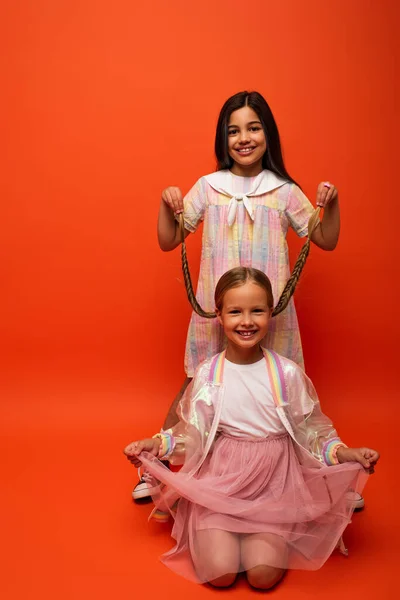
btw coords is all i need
(245, 315)
(246, 142)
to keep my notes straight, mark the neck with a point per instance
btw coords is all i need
(243, 356)
(250, 171)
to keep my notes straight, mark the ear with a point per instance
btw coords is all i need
(219, 318)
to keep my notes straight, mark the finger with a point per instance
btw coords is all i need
(177, 200)
(139, 448)
(166, 198)
(169, 199)
(129, 449)
(335, 193)
(330, 194)
(319, 194)
(326, 188)
(323, 190)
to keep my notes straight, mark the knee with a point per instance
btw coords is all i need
(221, 572)
(264, 577)
(224, 581)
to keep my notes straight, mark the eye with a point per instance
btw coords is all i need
(258, 310)
(255, 128)
(234, 312)
(232, 131)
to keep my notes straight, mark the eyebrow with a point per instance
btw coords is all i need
(250, 123)
(237, 307)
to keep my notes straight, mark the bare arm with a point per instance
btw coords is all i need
(168, 227)
(326, 235)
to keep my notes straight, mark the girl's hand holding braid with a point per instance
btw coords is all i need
(150, 445)
(173, 197)
(326, 193)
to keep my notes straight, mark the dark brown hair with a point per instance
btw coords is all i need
(272, 159)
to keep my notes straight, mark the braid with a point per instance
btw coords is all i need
(288, 290)
(292, 282)
(186, 276)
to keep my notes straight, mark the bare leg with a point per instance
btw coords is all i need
(172, 418)
(217, 556)
(258, 551)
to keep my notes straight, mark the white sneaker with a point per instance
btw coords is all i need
(144, 488)
(356, 500)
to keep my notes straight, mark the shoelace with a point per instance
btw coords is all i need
(145, 476)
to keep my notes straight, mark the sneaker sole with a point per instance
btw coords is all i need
(145, 500)
(359, 505)
(142, 494)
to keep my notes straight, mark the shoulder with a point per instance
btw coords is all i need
(288, 189)
(273, 181)
(282, 359)
(299, 387)
(204, 369)
(296, 196)
(207, 183)
(210, 370)
(290, 369)
(217, 179)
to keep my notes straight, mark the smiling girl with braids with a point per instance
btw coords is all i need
(265, 483)
(246, 207)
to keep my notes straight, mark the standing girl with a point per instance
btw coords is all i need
(246, 206)
(265, 479)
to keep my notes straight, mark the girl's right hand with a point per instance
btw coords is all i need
(367, 457)
(172, 196)
(132, 451)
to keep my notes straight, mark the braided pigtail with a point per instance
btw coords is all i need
(291, 284)
(288, 290)
(186, 276)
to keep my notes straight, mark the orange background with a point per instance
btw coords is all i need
(104, 105)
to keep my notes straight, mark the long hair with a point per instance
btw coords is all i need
(272, 159)
(239, 276)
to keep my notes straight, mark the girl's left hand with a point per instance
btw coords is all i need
(326, 193)
(133, 450)
(365, 456)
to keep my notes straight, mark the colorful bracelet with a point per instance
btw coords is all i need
(167, 444)
(329, 451)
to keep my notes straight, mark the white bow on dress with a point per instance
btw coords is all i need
(223, 182)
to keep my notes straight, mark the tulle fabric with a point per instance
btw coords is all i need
(253, 503)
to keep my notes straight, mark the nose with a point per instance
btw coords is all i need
(244, 137)
(247, 320)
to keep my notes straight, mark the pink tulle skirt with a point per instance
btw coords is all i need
(253, 503)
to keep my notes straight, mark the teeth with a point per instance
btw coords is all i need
(245, 150)
(246, 333)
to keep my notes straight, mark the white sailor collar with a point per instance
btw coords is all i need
(223, 182)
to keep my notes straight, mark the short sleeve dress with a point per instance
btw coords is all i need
(246, 220)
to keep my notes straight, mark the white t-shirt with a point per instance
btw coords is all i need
(249, 408)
